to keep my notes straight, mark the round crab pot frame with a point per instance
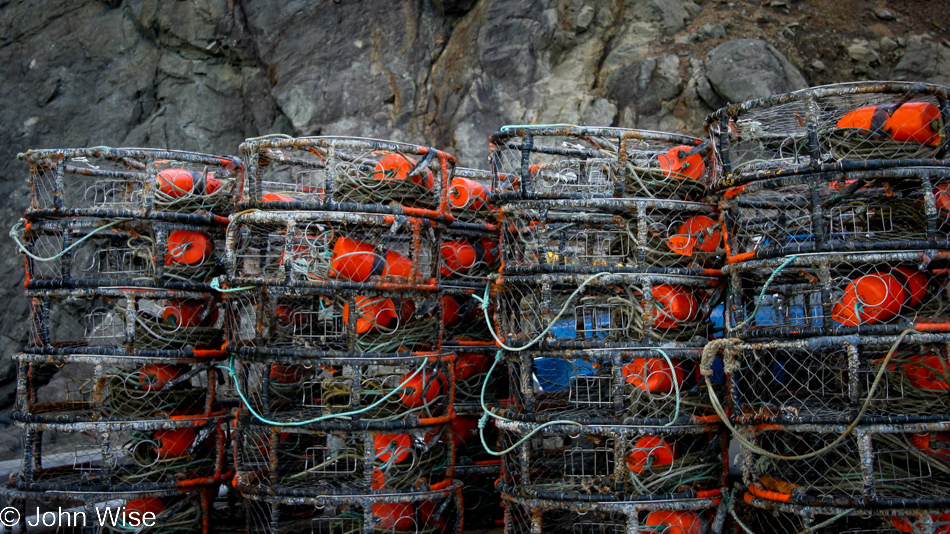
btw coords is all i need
(131, 182)
(830, 379)
(85, 252)
(887, 209)
(107, 321)
(470, 195)
(75, 388)
(689, 515)
(482, 503)
(565, 461)
(631, 386)
(333, 250)
(411, 512)
(838, 294)
(472, 363)
(875, 466)
(345, 174)
(170, 511)
(841, 127)
(181, 451)
(310, 323)
(782, 518)
(582, 162)
(373, 389)
(469, 254)
(608, 235)
(604, 310)
(296, 461)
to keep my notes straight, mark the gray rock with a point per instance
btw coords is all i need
(645, 84)
(713, 31)
(861, 52)
(745, 69)
(887, 45)
(818, 65)
(884, 14)
(925, 61)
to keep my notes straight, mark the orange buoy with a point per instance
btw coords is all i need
(189, 248)
(451, 311)
(464, 429)
(927, 372)
(914, 121)
(942, 198)
(277, 197)
(405, 309)
(675, 304)
(691, 166)
(137, 508)
(155, 376)
(392, 448)
(468, 194)
(394, 166)
(699, 232)
(372, 314)
(654, 374)
(914, 282)
(469, 364)
(460, 256)
(357, 261)
(421, 389)
(936, 444)
(650, 452)
(285, 373)
(173, 442)
(870, 299)
(188, 314)
(180, 183)
(397, 516)
(674, 522)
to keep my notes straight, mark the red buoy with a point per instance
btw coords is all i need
(650, 452)
(914, 121)
(675, 304)
(189, 248)
(691, 166)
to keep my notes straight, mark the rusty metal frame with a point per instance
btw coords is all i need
(717, 127)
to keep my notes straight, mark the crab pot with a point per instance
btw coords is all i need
(581, 162)
(358, 389)
(470, 194)
(690, 515)
(627, 386)
(763, 515)
(172, 511)
(332, 250)
(310, 322)
(431, 511)
(131, 182)
(482, 503)
(570, 461)
(473, 361)
(838, 294)
(463, 317)
(108, 321)
(345, 174)
(342, 459)
(469, 441)
(881, 210)
(829, 379)
(89, 252)
(75, 388)
(840, 127)
(605, 234)
(605, 310)
(873, 466)
(470, 253)
(179, 451)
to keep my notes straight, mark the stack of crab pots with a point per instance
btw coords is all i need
(334, 333)
(603, 306)
(470, 255)
(116, 389)
(835, 206)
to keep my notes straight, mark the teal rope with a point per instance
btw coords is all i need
(676, 386)
(16, 228)
(484, 301)
(486, 412)
(216, 285)
(758, 301)
(237, 386)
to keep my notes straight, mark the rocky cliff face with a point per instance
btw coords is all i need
(205, 74)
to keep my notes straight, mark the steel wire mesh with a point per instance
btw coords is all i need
(581, 162)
